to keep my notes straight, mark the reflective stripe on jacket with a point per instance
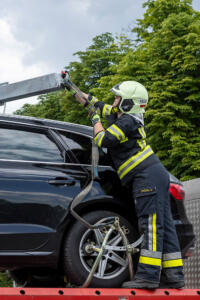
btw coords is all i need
(126, 141)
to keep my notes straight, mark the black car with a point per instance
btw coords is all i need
(44, 164)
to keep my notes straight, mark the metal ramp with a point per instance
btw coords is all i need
(90, 294)
(31, 87)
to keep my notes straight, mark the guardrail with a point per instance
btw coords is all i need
(192, 204)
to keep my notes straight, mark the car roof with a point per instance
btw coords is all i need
(83, 129)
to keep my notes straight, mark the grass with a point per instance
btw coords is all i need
(5, 280)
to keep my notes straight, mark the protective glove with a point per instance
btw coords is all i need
(93, 114)
(92, 99)
(68, 87)
(73, 93)
(115, 110)
(95, 119)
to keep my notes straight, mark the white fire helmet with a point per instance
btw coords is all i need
(134, 97)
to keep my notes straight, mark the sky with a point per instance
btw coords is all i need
(40, 37)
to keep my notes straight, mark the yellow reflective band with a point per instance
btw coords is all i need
(106, 110)
(139, 144)
(150, 261)
(142, 143)
(122, 141)
(110, 110)
(113, 133)
(94, 100)
(144, 133)
(95, 138)
(98, 138)
(135, 164)
(117, 132)
(130, 159)
(100, 141)
(172, 263)
(137, 160)
(154, 232)
(141, 132)
(120, 131)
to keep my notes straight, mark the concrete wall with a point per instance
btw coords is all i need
(192, 204)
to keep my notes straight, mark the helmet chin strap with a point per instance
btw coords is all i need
(116, 109)
(119, 104)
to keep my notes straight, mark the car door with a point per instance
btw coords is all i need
(37, 184)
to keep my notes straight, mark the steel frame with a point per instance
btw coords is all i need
(31, 87)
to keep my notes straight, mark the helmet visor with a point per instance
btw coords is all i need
(116, 90)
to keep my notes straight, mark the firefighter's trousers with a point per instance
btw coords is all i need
(160, 249)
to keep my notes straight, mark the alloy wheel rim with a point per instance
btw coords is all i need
(112, 263)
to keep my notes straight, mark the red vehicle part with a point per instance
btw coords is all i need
(89, 294)
(177, 191)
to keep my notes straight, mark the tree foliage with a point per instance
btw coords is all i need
(5, 280)
(172, 52)
(166, 59)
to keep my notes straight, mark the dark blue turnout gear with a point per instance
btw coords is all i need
(160, 248)
(136, 164)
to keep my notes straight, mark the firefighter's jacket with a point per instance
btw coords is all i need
(126, 140)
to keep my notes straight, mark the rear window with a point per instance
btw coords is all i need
(80, 146)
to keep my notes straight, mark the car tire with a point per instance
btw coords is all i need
(77, 263)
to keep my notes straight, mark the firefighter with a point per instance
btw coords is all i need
(136, 164)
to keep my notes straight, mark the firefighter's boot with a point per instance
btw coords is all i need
(171, 278)
(138, 283)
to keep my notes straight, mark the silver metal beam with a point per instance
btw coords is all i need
(31, 87)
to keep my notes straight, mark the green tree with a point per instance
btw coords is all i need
(175, 93)
(156, 12)
(49, 107)
(171, 33)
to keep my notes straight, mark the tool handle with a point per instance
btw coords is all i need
(71, 85)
